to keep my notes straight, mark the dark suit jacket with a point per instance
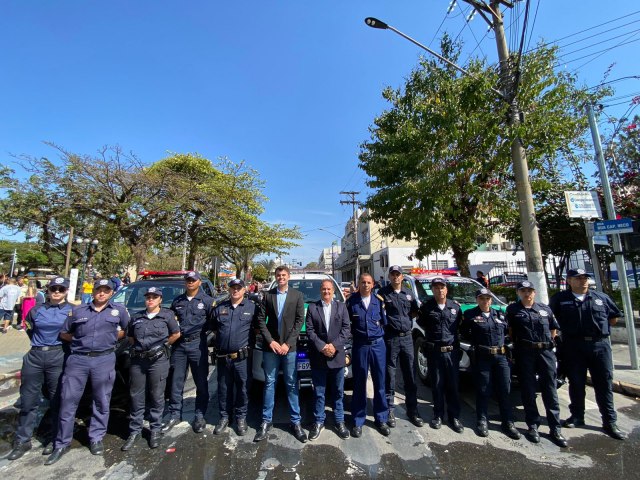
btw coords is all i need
(292, 316)
(338, 334)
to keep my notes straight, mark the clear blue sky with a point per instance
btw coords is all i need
(289, 86)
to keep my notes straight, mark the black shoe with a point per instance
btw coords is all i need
(482, 428)
(533, 435)
(241, 426)
(356, 431)
(128, 445)
(391, 421)
(557, 438)
(614, 432)
(48, 448)
(298, 432)
(343, 431)
(510, 430)
(261, 434)
(96, 448)
(56, 455)
(199, 424)
(456, 425)
(383, 428)
(573, 422)
(154, 440)
(19, 449)
(416, 419)
(169, 425)
(222, 425)
(314, 431)
(436, 422)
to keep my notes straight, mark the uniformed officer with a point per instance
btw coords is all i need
(194, 310)
(42, 365)
(93, 330)
(485, 328)
(585, 317)
(440, 319)
(150, 333)
(532, 328)
(366, 312)
(233, 321)
(400, 308)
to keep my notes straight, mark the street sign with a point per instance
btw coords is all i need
(583, 204)
(610, 227)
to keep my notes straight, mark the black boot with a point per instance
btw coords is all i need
(19, 449)
(128, 445)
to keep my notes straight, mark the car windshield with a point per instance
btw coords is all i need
(459, 290)
(310, 289)
(132, 296)
(515, 277)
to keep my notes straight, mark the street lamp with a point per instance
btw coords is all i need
(88, 244)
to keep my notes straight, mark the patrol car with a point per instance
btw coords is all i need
(309, 285)
(460, 289)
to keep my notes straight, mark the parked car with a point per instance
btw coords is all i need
(631, 281)
(309, 285)
(507, 279)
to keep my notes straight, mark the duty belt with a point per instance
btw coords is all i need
(47, 348)
(96, 354)
(191, 338)
(591, 339)
(396, 333)
(154, 353)
(536, 345)
(492, 350)
(368, 341)
(239, 355)
(441, 348)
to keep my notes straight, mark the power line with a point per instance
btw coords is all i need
(598, 43)
(599, 54)
(533, 25)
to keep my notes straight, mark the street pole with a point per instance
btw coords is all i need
(354, 203)
(67, 260)
(617, 244)
(588, 225)
(14, 259)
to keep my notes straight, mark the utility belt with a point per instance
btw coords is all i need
(152, 354)
(237, 356)
(396, 333)
(593, 338)
(535, 345)
(439, 348)
(192, 337)
(95, 354)
(47, 348)
(367, 341)
(491, 350)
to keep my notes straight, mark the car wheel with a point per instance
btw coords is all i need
(422, 368)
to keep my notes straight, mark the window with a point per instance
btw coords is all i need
(439, 264)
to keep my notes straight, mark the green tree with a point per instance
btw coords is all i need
(259, 273)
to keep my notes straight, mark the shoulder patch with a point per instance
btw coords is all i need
(379, 297)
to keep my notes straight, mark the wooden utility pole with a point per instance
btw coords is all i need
(354, 203)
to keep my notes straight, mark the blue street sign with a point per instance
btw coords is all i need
(610, 227)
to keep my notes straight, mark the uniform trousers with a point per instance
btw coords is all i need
(369, 355)
(150, 376)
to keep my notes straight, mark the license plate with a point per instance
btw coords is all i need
(304, 365)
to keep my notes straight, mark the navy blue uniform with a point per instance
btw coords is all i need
(149, 365)
(194, 317)
(400, 308)
(42, 365)
(94, 338)
(443, 354)
(531, 330)
(369, 352)
(486, 333)
(233, 326)
(585, 333)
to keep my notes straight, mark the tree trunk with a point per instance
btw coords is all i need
(462, 260)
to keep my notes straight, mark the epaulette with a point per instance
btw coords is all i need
(379, 297)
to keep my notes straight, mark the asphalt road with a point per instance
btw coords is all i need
(409, 452)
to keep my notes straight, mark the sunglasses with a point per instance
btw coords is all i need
(57, 289)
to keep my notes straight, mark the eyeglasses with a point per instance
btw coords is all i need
(57, 289)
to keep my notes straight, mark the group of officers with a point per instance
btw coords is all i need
(73, 345)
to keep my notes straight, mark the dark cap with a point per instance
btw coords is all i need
(193, 276)
(236, 281)
(482, 291)
(578, 272)
(395, 268)
(525, 284)
(153, 291)
(59, 282)
(103, 282)
(441, 280)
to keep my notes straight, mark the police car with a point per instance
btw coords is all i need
(309, 285)
(460, 289)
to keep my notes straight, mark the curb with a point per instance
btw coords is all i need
(8, 380)
(624, 388)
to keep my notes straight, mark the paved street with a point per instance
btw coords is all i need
(409, 452)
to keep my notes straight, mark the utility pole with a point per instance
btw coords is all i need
(617, 244)
(528, 223)
(354, 203)
(67, 260)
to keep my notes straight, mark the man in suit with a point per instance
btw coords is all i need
(280, 321)
(328, 328)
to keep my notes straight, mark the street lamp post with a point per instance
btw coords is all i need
(88, 243)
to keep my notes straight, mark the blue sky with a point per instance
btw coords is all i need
(290, 87)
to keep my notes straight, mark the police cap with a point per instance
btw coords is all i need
(236, 281)
(525, 284)
(103, 282)
(441, 280)
(59, 282)
(578, 272)
(153, 291)
(193, 276)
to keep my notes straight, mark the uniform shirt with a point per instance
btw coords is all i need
(194, 316)
(483, 330)
(398, 307)
(587, 318)
(95, 331)
(367, 323)
(9, 295)
(531, 324)
(45, 322)
(148, 333)
(440, 325)
(234, 324)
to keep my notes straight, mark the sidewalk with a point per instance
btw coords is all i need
(13, 345)
(625, 380)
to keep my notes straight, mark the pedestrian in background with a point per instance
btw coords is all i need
(482, 279)
(585, 317)
(87, 290)
(9, 295)
(30, 299)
